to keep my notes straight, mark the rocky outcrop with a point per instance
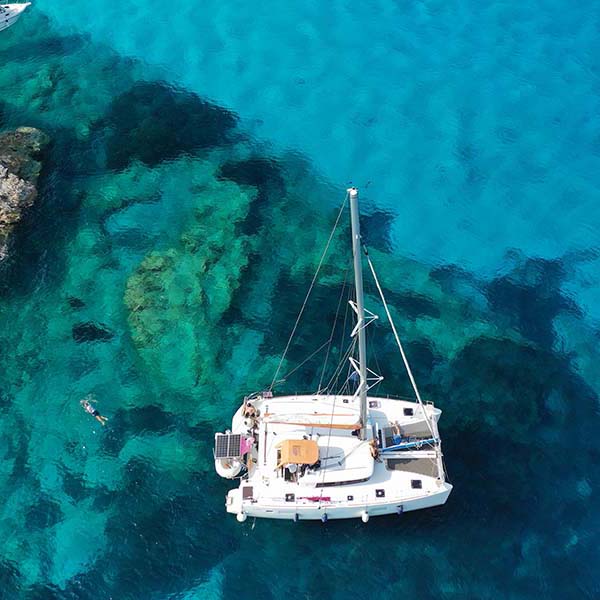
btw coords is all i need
(20, 166)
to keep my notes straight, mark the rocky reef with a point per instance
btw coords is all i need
(20, 166)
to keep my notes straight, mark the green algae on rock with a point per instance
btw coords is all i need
(177, 298)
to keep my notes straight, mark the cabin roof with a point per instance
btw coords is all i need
(300, 452)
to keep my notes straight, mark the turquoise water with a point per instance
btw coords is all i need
(199, 153)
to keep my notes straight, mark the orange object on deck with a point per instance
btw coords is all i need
(299, 452)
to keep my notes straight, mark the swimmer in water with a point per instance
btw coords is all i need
(86, 403)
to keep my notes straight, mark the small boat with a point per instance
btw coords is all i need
(10, 14)
(338, 452)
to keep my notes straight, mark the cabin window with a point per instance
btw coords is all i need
(350, 498)
(247, 493)
(373, 403)
(409, 412)
(416, 484)
(380, 493)
(290, 497)
(345, 400)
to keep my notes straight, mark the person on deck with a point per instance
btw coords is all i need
(396, 433)
(86, 403)
(250, 411)
(374, 448)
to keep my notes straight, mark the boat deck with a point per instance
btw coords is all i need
(347, 480)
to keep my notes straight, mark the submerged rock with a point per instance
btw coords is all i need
(91, 332)
(75, 302)
(153, 122)
(20, 167)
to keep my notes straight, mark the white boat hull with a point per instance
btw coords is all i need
(348, 483)
(11, 13)
(324, 511)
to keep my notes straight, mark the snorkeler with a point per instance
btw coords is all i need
(93, 411)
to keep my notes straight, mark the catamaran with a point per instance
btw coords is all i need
(335, 454)
(10, 14)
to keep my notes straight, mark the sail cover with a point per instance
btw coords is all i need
(299, 452)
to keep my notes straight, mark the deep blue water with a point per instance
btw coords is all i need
(199, 154)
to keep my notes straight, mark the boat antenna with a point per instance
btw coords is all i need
(360, 310)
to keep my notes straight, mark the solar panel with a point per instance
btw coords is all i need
(227, 445)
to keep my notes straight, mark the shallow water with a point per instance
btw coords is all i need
(191, 184)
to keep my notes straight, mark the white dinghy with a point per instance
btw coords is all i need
(335, 454)
(10, 14)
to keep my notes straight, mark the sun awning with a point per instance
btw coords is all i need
(299, 452)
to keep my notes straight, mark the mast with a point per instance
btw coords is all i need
(360, 310)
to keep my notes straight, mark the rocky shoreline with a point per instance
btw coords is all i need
(20, 165)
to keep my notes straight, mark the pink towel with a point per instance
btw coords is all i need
(246, 444)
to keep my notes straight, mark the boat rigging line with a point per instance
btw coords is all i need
(404, 359)
(333, 327)
(312, 284)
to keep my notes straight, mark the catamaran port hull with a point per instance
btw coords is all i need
(324, 511)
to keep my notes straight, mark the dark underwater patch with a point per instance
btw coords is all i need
(56, 45)
(422, 355)
(43, 514)
(46, 592)
(413, 306)
(75, 303)
(257, 172)
(91, 332)
(103, 498)
(6, 401)
(171, 528)
(503, 377)
(452, 278)
(125, 424)
(310, 334)
(375, 229)
(154, 122)
(18, 449)
(74, 486)
(149, 418)
(265, 174)
(531, 297)
(505, 469)
(9, 579)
